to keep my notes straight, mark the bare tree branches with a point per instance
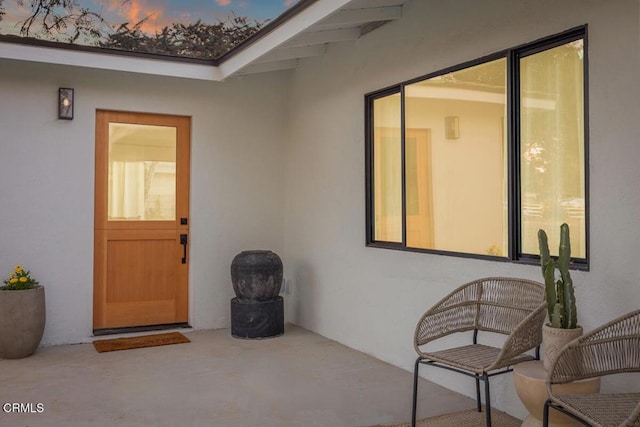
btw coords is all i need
(196, 40)
(67, 21)
(62, 20)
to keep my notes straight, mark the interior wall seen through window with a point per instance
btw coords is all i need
(461, 181)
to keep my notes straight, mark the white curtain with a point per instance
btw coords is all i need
(127, 191)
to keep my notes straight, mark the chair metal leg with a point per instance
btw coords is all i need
(545, 414)
(415, 392)
(484, 377)
(549, 404)
(487, 398)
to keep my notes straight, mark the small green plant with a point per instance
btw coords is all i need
(19, 279)
(561, 301)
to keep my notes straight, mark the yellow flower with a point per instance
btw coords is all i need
(23, 279)
(18, 269)
(13, 280)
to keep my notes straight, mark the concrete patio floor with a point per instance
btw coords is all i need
(299, 379)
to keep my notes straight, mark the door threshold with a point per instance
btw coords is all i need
(146, 328)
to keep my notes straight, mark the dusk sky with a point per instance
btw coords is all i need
(161, 12)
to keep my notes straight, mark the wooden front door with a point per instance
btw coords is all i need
(141, 221)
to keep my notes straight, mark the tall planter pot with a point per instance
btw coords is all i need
(554, 339)
(22, 319)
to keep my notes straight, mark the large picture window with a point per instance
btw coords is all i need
(475, 159)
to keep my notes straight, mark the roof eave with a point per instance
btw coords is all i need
(302, 16)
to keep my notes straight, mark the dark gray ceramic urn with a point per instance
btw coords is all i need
(256, 275)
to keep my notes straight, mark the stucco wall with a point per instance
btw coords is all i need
(370, 299)
(47, 180)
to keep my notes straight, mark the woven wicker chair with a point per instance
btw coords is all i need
(508, 306)
(610, 349)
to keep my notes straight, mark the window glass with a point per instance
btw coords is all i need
(455, 161)
(387, 167)
(476, 159)
(552, 147)
(142, 172)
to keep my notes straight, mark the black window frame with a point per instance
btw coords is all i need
(512, 56)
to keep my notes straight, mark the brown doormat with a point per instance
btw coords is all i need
(140, 342)
(467, 418)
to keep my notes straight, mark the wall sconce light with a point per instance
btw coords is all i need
(452, 127)
(65, 103)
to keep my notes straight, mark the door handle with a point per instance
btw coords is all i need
(183, 242)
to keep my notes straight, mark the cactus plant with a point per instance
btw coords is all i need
(561, 301)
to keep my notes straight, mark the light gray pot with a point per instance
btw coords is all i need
(22, 319)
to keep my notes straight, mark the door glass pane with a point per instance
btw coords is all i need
(142, 172)
(552, 148)
(455, 160)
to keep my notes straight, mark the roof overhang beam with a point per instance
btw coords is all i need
(106, 61)
(312, 14)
